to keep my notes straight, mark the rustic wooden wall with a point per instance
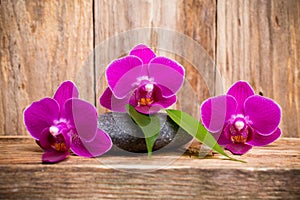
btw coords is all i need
(42, 44)
(259, 41)
(45, 42)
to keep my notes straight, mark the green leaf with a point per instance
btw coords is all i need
(197, 130)
(149, 124)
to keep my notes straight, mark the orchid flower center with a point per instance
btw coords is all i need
(58, 139)
(239, 130)
(145, 96)
(60, 146)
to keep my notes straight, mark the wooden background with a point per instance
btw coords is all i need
(43, 43)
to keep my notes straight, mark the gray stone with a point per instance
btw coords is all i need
(126, 135)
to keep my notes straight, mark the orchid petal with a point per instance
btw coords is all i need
(223, 140)
(65, 91)
(148, 109)
(238, 148)
(54, 156)
(262, 140)
(241, 90)
(223, 137)
(123, 75)
(166, 92)
(67, 138)
(166, 102)
(143, 52)
(83, 117)
(109, 101)
(264, 114)
(166, 73)
(132, 101)
(46, 139)
(216, 111)
(98, 146)
(40, 115)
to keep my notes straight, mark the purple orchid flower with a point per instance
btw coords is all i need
(240, 119)
(143, 80)
(65, 122)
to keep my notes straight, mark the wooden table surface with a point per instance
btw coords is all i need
(271, 172)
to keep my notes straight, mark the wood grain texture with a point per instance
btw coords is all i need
(42, 44)
(271, 172)
(258, 41)
(196, 19)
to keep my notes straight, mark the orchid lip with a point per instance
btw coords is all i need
(59, 143)
(60, 146)
(239, 139)
(239, 129)
(145, 101)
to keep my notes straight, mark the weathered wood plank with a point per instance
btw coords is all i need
(196, 19)
(271, 172)
(172, 28)
(258, 41)
(42, 44)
